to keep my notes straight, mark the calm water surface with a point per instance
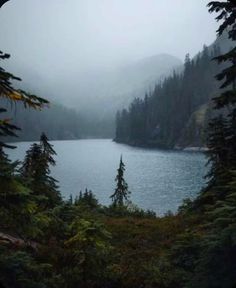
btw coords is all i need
(159, 180)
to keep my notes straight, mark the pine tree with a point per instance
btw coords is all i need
(122, 192)
(36, 172)
(222, 130)
(218, 200)
(218, 148)
(86, 199)
(218, 159)
(47, 149)
(7, 168)
(47, 155)
(18, 208)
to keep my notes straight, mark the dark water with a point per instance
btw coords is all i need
(159, 180)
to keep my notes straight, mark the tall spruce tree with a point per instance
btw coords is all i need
(18, 208)
(37, 174)
(47, 149)
(48, 153)
(122, 193)
(222, 129)
(218, 200)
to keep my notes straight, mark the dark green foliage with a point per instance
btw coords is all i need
(161, 117)
(226, 12)
(121, 194)
(222, 130)
(217, 200)
(35, 171)
(18, 208)
(47, 150)
(20, 270)
(13, 195)
(86, 199)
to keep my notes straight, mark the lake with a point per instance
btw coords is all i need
(159, 180)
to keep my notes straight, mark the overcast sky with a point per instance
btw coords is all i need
(59, 34)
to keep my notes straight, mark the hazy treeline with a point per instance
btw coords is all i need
(161, 117)
(57, 121)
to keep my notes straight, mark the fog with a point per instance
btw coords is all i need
(62, 47)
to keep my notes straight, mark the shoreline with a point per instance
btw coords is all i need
(163, 147)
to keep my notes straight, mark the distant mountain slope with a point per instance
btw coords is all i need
(57, 122)
(176, 113)
(135, 79)
(95, 95)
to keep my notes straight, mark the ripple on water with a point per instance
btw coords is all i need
(158, 179)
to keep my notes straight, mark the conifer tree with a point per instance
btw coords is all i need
(48, 154)
(122, 193)
(47, 149)
(222, 130)
(7, 168)
(36, 172)
(218, 200)
(18, 208)
(218, 148)
(227, 99)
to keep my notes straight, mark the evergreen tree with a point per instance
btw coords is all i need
(47, 149)
(218, 160)
(122, 192)
(86, 199)
(36, 172)
(18, 209)
(218, 148)
(227, 99)
(222, 130)
(217, 200)
(12, 194)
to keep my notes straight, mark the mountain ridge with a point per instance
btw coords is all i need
(103, 94)
(172, 115)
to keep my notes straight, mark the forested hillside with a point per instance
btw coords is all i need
(176, 113)
(57, 121)
(95, 104)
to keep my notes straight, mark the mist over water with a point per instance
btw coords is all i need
(159, 180)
